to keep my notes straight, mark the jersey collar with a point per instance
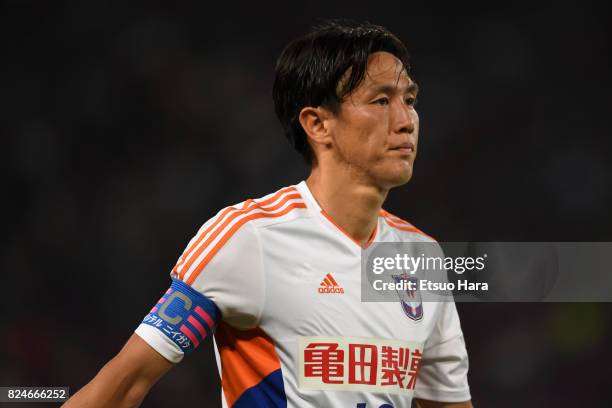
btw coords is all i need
(321, 215)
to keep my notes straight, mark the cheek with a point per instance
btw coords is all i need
(362, 135)
(364, 126)
(357, 134)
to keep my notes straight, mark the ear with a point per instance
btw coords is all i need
(316, 123)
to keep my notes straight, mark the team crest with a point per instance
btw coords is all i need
(410, 300)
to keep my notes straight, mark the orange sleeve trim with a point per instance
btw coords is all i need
(231, 232)
(402, 225)
(216, 229)
(246, 205)
(201, 236)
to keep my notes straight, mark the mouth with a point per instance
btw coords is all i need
(405, 148)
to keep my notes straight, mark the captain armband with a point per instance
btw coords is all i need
(184, 315)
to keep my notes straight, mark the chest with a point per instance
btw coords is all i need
(313, 287)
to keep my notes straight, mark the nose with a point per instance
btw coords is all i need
(403, 118)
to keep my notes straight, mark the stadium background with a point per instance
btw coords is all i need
(125, 127)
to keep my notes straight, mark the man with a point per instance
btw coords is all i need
(277, 279)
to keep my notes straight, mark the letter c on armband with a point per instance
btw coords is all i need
(176, 319)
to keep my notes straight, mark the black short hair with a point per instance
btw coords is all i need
(310, 68)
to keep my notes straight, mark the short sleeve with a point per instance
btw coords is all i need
(444, 367)
(221, 273)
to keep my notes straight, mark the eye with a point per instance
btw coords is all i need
(382, 101)
(411, 101)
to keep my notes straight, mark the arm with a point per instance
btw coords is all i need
(420, 403)
(125, 380)
(182, 318)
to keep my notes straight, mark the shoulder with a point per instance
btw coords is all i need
(282, 205)
(234, 230)
(402, 228)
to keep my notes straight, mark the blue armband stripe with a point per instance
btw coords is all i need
(184, 315)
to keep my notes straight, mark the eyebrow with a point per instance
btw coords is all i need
(388, 88)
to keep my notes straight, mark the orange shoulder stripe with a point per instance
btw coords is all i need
(202, 234)
(221, 216)
(233, 229)
(228, 221)
(247, 206)
(402, 225)
(393, 217)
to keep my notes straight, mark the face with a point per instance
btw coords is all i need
(375, 132)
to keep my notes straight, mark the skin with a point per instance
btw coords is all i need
(363, 151)
(360, 152)
(125, 380)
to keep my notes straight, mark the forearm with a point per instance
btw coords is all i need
(125, 380)
(110, 388)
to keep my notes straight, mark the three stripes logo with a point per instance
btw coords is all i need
(329, 285)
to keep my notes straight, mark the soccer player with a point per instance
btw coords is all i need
(276, 280)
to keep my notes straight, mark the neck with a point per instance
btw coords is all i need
(352, 203)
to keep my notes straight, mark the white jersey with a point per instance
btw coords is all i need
(278, 283)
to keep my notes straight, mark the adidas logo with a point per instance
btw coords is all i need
(329, 285)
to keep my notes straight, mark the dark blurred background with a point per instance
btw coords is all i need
(125, 126)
